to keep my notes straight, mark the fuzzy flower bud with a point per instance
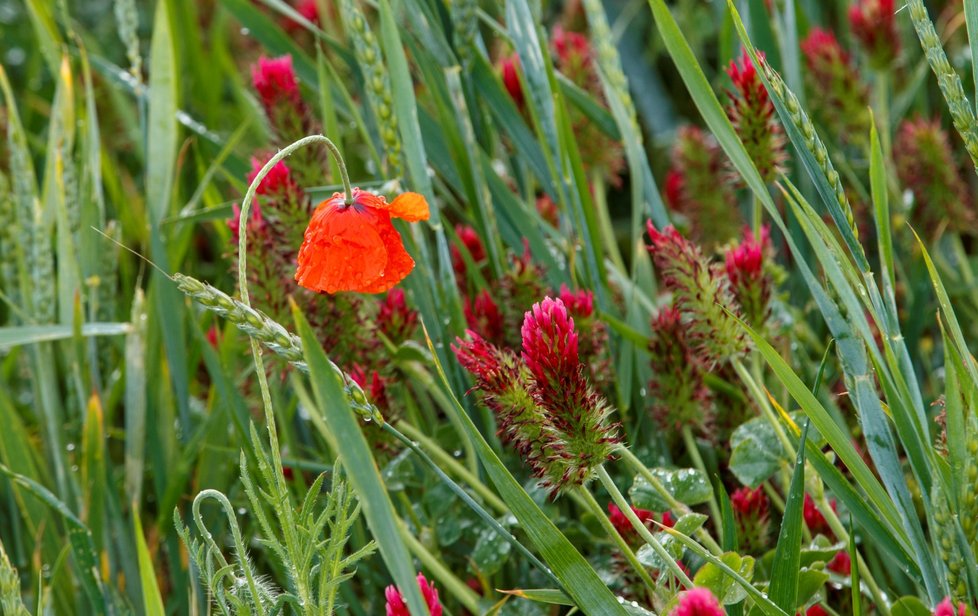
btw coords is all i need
(509, 72)
(697, 602)
(702, 295)
(472, 243)
(814, 519)
(946, 608)
(278, 90)
(397, 607)
(395, 318)
(504, 383)
(680, 396)
(256, 225)
(873, 23)
(574, 58)
(751, 509)
(579, 415)
(749, 281)
(842, 96)
(275, 81)
(925, 165)
(277, 182)
(753, 116)
(482, 315)
(841, 564)
(692, 187)
(624, 526)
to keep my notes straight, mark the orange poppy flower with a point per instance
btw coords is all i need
(355, 247)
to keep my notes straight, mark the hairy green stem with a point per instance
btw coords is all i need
(468, 500)
(256, 352)
(694, 452)
(864, 572)
(444, 459)
(633, 461)
(643, 531)
(609, 528)
(465, 595)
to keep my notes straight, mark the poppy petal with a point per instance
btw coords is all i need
(409, 206)
(341, 250)
(399, 262)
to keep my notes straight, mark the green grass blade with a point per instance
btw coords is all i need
(362, 471)
(79, 539)
(783, 590)
(30, 334)
(161, 152)
(152, 601)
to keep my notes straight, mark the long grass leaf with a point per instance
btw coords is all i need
(362, 471)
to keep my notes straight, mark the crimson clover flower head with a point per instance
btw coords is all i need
(750, 282)
(843, 97)
(926, 166)
(697, 186)
(275, 81)
(549, 341)
(482, 315)
(309, 9)
(624, 527)
(814, 519)
(548, 209)
(697, 601)
(395, 318)
(277, 182)
(570, 46)
(579, 303)
(397, 607)
(841, 563)
(701, 293)
(679, 393)
(946, 608)
(509, 71)
(372, 383)
(473, 244)
(753, 116)
(816, 610)
(750, 503)
(577, 414)
(751, 507)
(873, 23)
(256, 223)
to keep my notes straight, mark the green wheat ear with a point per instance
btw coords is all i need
(11, 603)
(378, 83)
(950, 83)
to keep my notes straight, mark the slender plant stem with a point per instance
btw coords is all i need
(694, 452)
(643, 531)
(445, 460)
(632, 460)
(465, 595)
(609, 528)
(758, 394)
(864, 572)
(305, 597)
(468, 500)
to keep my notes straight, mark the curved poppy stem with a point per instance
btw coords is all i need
(243, 274)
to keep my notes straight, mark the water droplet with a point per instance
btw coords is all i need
(70, 446)
(642, 392)
(245, 32)
(242, 511)
(457, 453)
